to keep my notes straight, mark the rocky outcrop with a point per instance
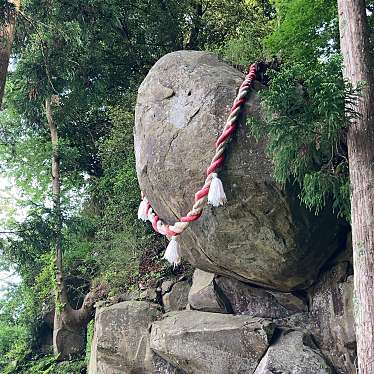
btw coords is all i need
(43, 334)
(294, 352)
(121, 341)
(262, 234)
(211, 343)
(177, 297)
(134, 336)
(267, 296)
(332, 315)
(258, 302)
(211, 293)
(203, 294)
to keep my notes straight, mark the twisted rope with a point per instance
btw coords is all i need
(220, 146)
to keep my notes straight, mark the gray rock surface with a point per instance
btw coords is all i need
(166, 286)
(261, 235)
(258, 302)
(203, 295)
(211, 343)
(149, 294)
(177, 297)
(293, 353)
(332, 314)
(121, 341)
(161, 366)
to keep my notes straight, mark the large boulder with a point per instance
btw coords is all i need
(211, 343)
(261, 235)
(294, 352)
(121, 341)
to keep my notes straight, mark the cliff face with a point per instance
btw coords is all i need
(272, 292)
(221, 325)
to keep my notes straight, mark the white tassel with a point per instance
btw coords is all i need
(216, 195)
(172, 252)
(150, 215)
(160, 228)
(141, 211)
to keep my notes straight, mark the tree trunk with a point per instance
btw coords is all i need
(69, 327)
(66, 341)
(7, 30)
(61, 296)
(193, 42)
(355, 49)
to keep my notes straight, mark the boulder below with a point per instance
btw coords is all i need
(258, 302)
(121, 341)
(212, 293)
(177, 297)
(332, 315)
(262, 235)
(211, 343)
(203, 294)
(294, 352)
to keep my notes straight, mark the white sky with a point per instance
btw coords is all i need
(10, 208)
(9, 195)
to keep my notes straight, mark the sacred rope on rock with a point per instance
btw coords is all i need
(212, 190)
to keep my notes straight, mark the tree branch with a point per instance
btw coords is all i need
(87, 310)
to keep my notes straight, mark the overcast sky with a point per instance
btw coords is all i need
(9, 195)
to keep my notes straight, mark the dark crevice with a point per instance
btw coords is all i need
(302, 295)
(170, 144)
(222, 299)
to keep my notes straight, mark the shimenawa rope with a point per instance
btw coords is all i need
(212, 189)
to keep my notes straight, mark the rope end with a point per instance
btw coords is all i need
(172, 253)
(216, 195)
(142, 214)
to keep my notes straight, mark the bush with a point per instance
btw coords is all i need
(305, 127)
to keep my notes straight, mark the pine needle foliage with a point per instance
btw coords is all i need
(305, 125)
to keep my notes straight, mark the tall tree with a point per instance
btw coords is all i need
(7, 30)
(354, 37)
(69, 330)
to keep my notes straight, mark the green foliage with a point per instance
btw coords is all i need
(305, 31)
(19, 352)
(90, 335)
(10, 336)
(121, 239)
(43, 365)
(305, 124)
(16, 331)
(70, 367)
(244, 44)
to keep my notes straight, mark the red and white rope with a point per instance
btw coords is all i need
(146, 210)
